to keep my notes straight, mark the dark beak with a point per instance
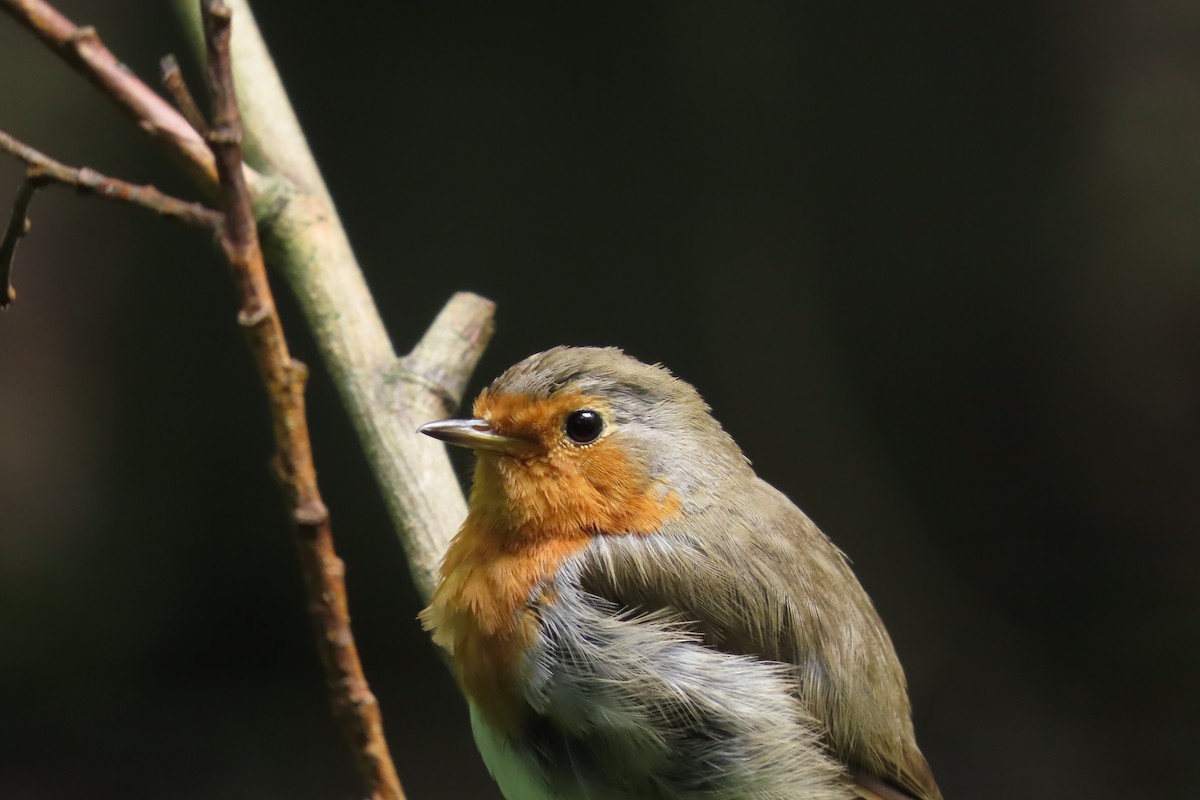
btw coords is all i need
(474, 433)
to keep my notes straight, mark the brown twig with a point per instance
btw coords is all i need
(81, 48)
(284, 378)
(176, 86)
(18, 226)
(44, 170)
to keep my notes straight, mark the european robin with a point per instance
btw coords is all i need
(633, 613)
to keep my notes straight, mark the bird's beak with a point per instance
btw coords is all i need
(477, 434)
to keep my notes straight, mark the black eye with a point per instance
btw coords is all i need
(584, 426)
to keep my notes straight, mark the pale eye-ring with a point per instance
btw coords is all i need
(584, 426)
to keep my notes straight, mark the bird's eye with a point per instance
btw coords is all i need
(584, 426)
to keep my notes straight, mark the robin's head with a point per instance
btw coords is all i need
(573, 436)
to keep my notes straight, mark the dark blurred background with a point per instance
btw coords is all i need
(934, 266)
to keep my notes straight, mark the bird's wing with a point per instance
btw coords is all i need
(760, 579)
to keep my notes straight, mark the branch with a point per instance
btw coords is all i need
(18, 226)
(82, 49)
(176, 86)
(44, 170)
(284, 378)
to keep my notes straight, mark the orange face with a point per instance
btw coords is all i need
(559, 488)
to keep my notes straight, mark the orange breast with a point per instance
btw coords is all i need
(482, 616)
(526, 518)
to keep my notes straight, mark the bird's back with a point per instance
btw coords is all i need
(651, 680)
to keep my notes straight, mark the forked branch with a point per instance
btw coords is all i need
(43, 170)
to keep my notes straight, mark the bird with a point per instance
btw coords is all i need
(633, 613)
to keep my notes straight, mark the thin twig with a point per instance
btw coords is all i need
(81, 48)
(284, 377)
(176, 86)
(18, 226)
(45, 169)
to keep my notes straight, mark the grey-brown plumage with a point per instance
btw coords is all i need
(725, 652)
